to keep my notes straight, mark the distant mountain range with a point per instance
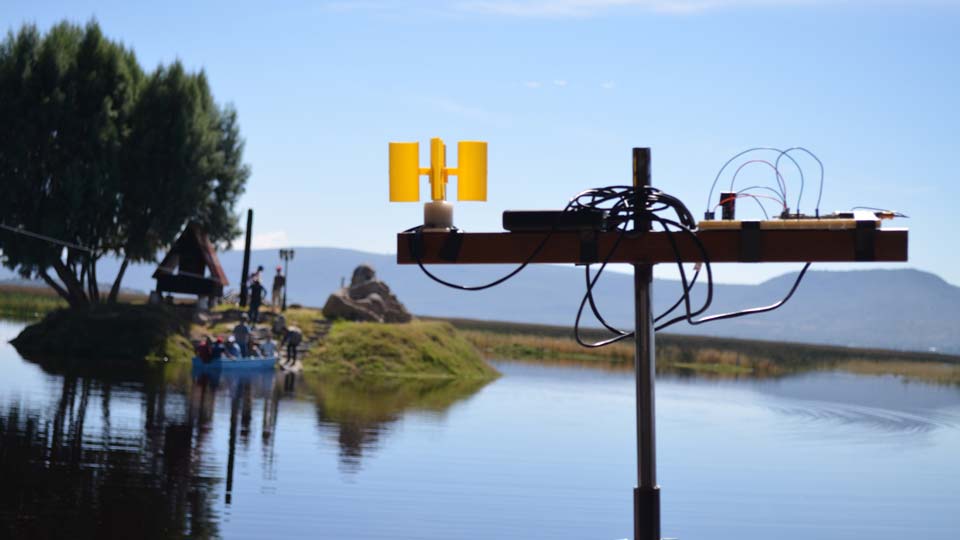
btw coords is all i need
(891, 309)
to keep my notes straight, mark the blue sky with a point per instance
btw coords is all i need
(562, 89)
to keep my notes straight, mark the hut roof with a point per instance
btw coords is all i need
(193, 243)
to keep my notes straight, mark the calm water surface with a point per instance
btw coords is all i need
(542, 452)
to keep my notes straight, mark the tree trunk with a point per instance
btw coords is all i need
(75, 295)
(115, 290)
(56, 287)
(92, 282)
(83, 278)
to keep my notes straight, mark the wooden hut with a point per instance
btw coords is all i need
(191, 266)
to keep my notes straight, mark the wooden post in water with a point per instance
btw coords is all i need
(246, 260)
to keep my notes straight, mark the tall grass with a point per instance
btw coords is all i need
(701, 354)
(28, 302)
(31, 302)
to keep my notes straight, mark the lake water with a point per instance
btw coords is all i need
(542, 452)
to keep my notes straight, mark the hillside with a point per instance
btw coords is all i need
(893, 309)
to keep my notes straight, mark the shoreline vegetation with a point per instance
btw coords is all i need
(703, 355)
(447, 348)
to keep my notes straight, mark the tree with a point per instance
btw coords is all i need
(100, 155)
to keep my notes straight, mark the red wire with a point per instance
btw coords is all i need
(740, 195)
(780, 181)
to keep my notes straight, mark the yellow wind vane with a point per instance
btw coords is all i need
(405, 173)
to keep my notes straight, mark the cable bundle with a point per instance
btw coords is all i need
(620, 202)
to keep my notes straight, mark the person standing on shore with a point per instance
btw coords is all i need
(292, 339)
(256, 276)
(276, 296)
(256, 298)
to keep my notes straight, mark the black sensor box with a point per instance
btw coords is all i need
(554, 220)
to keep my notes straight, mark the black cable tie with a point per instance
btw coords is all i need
(750, 240)
(865, 241)
(450, 250)
(415, 241)
(589, 249)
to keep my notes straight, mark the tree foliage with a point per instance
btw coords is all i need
(97, 153)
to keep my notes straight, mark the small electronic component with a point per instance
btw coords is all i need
(728, 205)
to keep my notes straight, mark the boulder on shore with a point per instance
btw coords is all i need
(366, 299)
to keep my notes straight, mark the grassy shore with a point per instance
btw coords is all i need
(31, 302)
(704, 355)
(23, 302)
(419, 349)
(423, 349)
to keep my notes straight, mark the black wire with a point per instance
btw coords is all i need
(418, 238)
(621, 335)
(593, 305)
(679, 301)
(683, 214)
(754, 311)
(689, 314)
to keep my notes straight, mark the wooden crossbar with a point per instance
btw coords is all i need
(763, 245)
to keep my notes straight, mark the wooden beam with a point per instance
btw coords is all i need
(886, 245)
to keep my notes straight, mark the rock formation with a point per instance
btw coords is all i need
(366, 299)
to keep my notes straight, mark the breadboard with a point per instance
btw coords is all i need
(810, 224)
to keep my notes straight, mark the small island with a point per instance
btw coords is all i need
(355, 344)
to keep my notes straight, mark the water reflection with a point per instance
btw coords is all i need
(111, 447)
(358, 413)
(72, 474)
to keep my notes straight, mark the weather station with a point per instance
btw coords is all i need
(638, 224)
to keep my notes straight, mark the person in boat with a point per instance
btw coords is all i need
(233, 350)
(241, 333)
(269, 347)
(276, 296)
(205, 350)
(253, 350)
(292, 338)
(257, 292)
(218, 351)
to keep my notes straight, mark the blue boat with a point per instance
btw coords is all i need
(238, 364)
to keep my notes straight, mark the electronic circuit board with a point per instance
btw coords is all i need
(832, 222)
